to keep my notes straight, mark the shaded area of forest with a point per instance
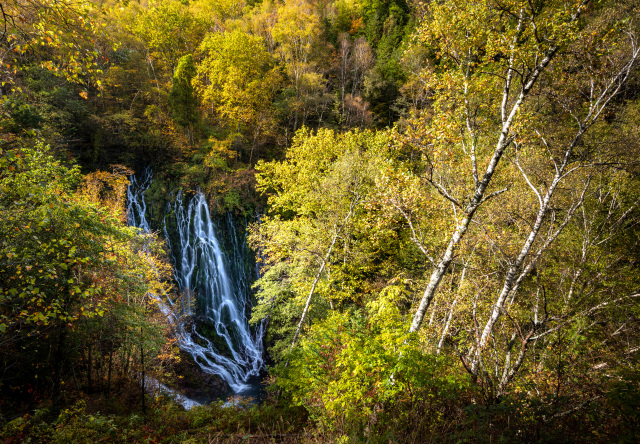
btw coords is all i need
(449, 206)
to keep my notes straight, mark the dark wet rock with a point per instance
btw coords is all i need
(196, 384)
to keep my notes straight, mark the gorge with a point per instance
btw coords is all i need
(214, 285)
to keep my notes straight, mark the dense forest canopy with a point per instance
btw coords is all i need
(443, 198)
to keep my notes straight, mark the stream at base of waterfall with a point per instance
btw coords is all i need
(215, 291)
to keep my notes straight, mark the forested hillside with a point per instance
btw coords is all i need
(442, 197)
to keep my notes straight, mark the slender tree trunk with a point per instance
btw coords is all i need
(100, 366)
(443, 265)
(447, 324)
(313, 289)
(144, 406)
(56, 397)
(517, 265)
(127, 359)
(89, 365)
(75, 379)
(337, 231)
(109, 374)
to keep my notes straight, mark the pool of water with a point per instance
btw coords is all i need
(254, 393)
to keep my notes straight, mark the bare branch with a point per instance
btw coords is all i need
(494, 194)
(443, 192)
(526, 178)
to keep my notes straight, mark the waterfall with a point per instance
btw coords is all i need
(136, 204)
(220, 281)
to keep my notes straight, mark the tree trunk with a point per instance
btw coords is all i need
(56, 396)
(89, 364)
(144, 406)
(337, 230)
(313, 289)
(109, 374)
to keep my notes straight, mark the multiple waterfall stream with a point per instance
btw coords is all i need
(214, 286)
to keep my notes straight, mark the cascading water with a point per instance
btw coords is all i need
(136, 204)
(202, 268)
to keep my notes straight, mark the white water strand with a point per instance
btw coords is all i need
(152, 385)
(200, 266)
(136, 204)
